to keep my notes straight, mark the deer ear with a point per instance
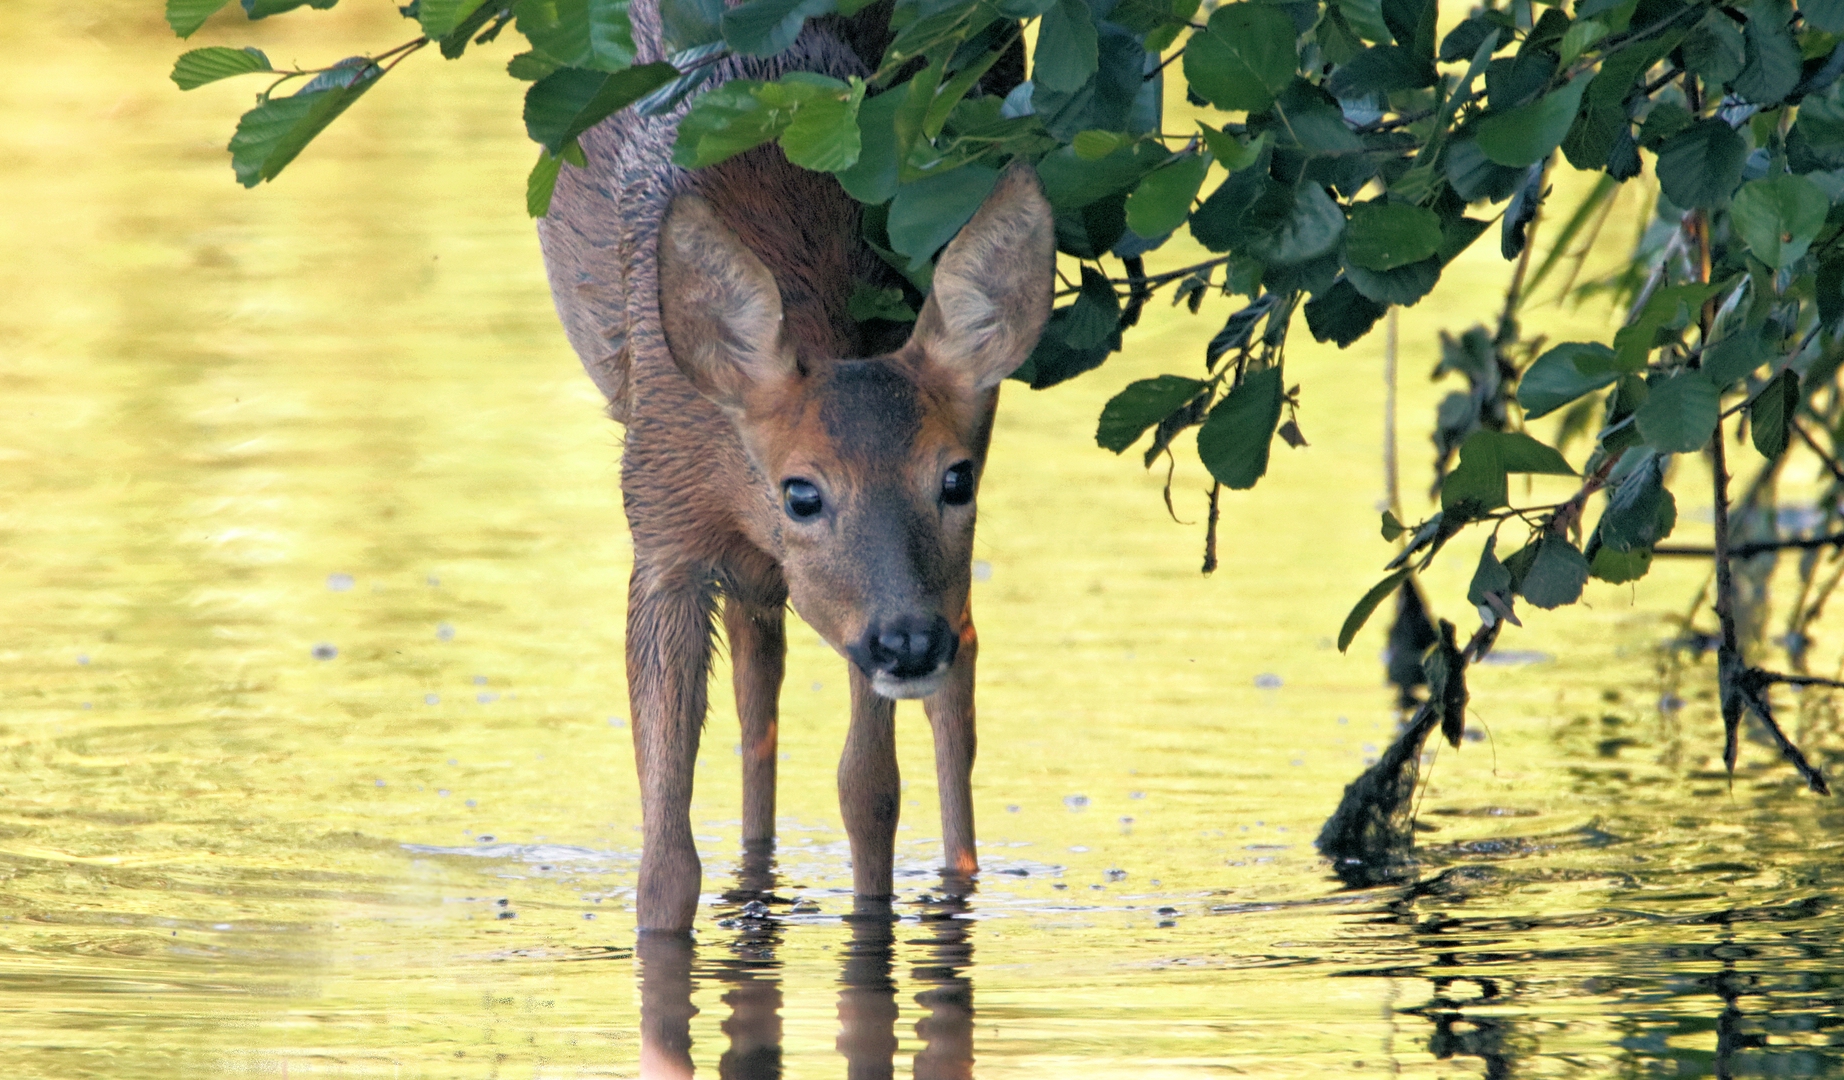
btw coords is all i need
(992, 287)
(719, 305)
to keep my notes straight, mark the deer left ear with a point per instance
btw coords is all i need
(991, 294)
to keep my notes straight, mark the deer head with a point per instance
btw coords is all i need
(873, 463)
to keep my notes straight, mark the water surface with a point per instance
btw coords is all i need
(313, 750)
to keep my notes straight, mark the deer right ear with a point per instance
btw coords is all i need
(719, 305)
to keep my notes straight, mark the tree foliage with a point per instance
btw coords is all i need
(1353, 153)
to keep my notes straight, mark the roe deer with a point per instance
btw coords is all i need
(767, 462)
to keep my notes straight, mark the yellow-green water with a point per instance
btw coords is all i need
(337, 411)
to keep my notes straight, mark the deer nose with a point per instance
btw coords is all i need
(907, 648)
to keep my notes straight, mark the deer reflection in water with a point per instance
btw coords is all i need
(671, 970)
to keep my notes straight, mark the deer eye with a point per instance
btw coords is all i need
(801, 500)
(957, 484)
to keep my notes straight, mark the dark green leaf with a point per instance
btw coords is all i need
(767, 27)
(1826, 15)
(1770, 414)
(1392, 528)
(1529, 133)
(869, 303)
(926, 214)
(1640, 511)
(262, 9)
(1701, 165)
(1666, 119)
(1490, 577)
(1772, 64)
(541, 184)
(1301, 224)
(1736, 356)
(1381, 69)
(1235, 438)
(1556, 574)
(611, 33)
(570, 101)
(1139, 406)
(1619, 567)
(1067, 48)
(1383, 236)
(685, 24)
(1342, 314)
(272, 134)
(1360, 614)
(1715, 51)
(1670, 308)
(200, 66)
(1244, 58)
(1232, 153)
(531, 66)
(186, 16)
(1476, 177)
(1477, 484)
(1779, 217)
(1163, 200)
(1095, 316)
(1563, 374)
(1464, 40)
(1411, 23)
(1679, 413)
(1405, 285)
(874, 178)
(439, 17)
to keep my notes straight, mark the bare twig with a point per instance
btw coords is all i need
(1758, 547)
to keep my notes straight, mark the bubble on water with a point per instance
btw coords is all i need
(377, 783)
(1268, 681)
(444, 632)
(432, 699)
(1078, 848)
(1344, 719)
(1297, 761)
(615, 721)
(433, 581)
(817, 687)
(588, 914)
(1126, 820)
(480, 680)
(323, 651)
(484, 838)
(339, 582)
(452, 761)
(1136, 794)
(1075, 802)
(472, 802)
(86, 704)
(1117, 875)
(83, 658)
(486, 698)
(1012, 808)
(982, 570)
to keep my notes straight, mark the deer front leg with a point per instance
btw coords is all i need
(950, 715)
(668, 665)
(870, 789)
(758, 656)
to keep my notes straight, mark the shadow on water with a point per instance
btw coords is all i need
(672, 967)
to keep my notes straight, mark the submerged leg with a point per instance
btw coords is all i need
(870, 790)
(950, 715)
(758, 656)
(668, 665)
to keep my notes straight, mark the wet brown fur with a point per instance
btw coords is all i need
(749, 280)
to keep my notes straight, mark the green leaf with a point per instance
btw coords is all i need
(1477, 484)
(1736, 356)
(262, 9)
(1715, 51)
(1295, 225)
(1529, 133)
(1235, 438)
(611, 34)
(1094, 318)
(824, 134)
(1620, 567)
(1231, 152)
(1826, 15)
(1679, 413)
(1640, 511)
(1094, 144)
(1139, 406)
(1360, 614)
(1383, 236)
(1773, 65)
(200, 66)
(1392, 528)
(1563, 374)
(1770, 414)
(542, 184)
(1404, 285)
(868, 302)
(1670, 308)
(1068, 50)
(1244, 57)
(768, 27)
(1779, 217)
(274, 133)
(1701, 165)
(874, 178)
(1163, 200)
(1577, 39)
(926, 214)
(1381, 69)
(1489, 577)
(570, 101)
(1342, 314)
(439, 17)
(186, 16)
(1366, 18)
(1556, 574)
